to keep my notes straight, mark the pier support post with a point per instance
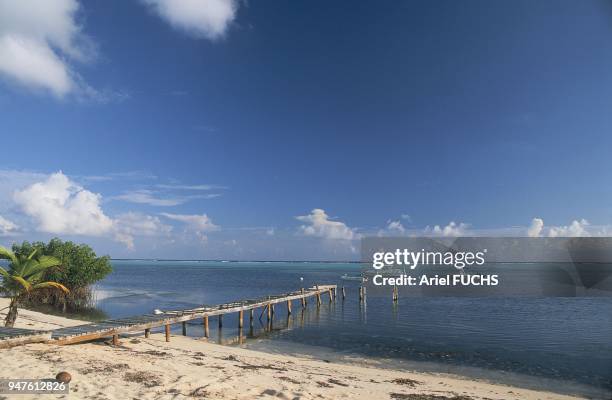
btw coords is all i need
(272, 310)
(360, 294)
(115, 340)
(331, 295)
(318, 299)
(167, 327)
(184, 328)
(303, 299)
(240, 318)
(220, 321)
(147, 333)
(269, 312)
(206, 331)
(251, 314)
(343, 293)
(288, 307)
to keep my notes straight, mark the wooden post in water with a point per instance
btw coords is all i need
(184, 328)
(360, 294)
(288, 307)
(240, 318)
(364, 293)
(147, 333)
(251, 313)
(115, 340)
(167, 327)
(303, 299)
(331, 295)
(272, 305)
(318, 299)
(220, 321)
(206, 331)
(343, 293)
(269, 312)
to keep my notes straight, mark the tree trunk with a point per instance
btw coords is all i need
(12, 314)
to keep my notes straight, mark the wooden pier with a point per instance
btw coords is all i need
(10, 337)
(114, 327)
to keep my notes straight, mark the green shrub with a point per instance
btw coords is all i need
(80, 268)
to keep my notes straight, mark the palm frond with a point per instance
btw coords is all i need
(4, 273)
(37, 266)
(8, 255)
(26, 285)
(56, 285)
(32, 254)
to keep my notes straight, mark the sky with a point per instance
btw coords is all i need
(221, 129)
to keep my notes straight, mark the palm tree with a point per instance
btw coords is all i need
(24, 276)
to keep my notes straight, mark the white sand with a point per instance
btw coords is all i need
(190, 368)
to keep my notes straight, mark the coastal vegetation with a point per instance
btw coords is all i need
(78, 269)
(24, 277)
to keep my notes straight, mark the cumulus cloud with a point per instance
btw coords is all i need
(578, 228)
(61, 206)
(38, 38)
(199, 18)
(535, 229)
(452, 229)
(7, 227)
(199, 224)
(575, 229)
(132, 224)
(318, 224)
(393, 228)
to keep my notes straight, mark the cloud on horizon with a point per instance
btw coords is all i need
(198, 18)
(318, 224)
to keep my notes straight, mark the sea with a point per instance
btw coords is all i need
(562, 345)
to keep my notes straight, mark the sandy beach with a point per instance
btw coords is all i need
(142, 368)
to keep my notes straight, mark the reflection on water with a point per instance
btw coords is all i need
(553, 340)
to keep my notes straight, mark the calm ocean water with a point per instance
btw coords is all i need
(559, 344)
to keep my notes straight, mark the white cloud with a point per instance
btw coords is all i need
(144, 196)
(393, 228)
(199, 18)
(150, 197)
(535, 229)
(318, 224)
(575, 229)
(7, 227)
(132, 224)
(37, 40)
(61, 206)
(190, 187)
(452, 229)
(199, 224)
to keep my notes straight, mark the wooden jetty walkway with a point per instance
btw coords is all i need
(114, 327)
(15, 336)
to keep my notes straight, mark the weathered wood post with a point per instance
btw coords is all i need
(220, 321)
(240, 318)
(318, 298)
(251, 315)
(184, 328)
(206, 331)
(360, 294)
(147, 333)
(115, 340)
(343, 293)
(167, 327)
(288, 307)
(269, 312)
(331, 295)
(303, 299)
(272, 310)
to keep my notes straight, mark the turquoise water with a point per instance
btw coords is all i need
(559, 344)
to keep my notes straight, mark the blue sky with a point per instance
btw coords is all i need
(213, 129)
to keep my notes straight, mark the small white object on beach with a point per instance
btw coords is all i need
(301, 279)
(157, 311)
